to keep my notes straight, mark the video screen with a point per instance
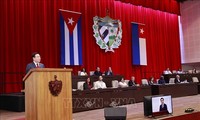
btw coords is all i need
(161, 105)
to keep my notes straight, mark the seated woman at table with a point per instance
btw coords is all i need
(151, 80)
(83, 72)
(161, 80)
(87, 85)
(122, 83)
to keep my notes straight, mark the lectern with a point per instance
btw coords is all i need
(48, 94)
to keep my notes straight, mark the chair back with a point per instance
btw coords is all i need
(171, 80)
(195, 79)
(91, 73)
(80, 85)
(145, 82)
(115, 83)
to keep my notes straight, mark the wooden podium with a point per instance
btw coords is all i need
(48, 94)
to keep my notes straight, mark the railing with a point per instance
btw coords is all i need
(11, 82)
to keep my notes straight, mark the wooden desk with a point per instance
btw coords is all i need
(176, 90)
(96, 99)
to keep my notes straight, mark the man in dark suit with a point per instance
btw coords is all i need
(132, 82)
(98, 72)
(163, 106)
(161, 80)
(36, 62)
(109, 71)
(177, 80)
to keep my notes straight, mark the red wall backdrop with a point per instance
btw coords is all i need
(27, 26)
(171, 6)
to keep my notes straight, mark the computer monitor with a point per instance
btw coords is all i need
(161, 105)
(157, 105)
(147, 104)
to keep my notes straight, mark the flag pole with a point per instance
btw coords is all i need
(69, 11)
(138, 23)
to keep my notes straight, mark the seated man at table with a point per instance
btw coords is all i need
(98, 72)
(100, 84)
(161, 80)
(177, 79)
(122, 83)
(167, 71)
(132, 82)
(109, 71)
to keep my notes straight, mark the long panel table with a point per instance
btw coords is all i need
(182, 77)
(95, 99)
(106, 79)
(176, 90)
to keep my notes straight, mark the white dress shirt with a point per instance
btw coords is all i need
(36, 64)
(83, 74)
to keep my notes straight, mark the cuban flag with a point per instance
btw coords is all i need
(71, 37)
(139, 54)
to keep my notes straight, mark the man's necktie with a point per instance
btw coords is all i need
(37, 65)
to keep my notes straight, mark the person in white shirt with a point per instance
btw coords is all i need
(83, 72)
(167, 71)
(122, 83)
(100, 84)
(179, 71)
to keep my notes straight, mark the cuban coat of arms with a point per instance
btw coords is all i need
(107, 32)
(55, 86)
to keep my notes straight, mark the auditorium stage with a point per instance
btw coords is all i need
(134, 111)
